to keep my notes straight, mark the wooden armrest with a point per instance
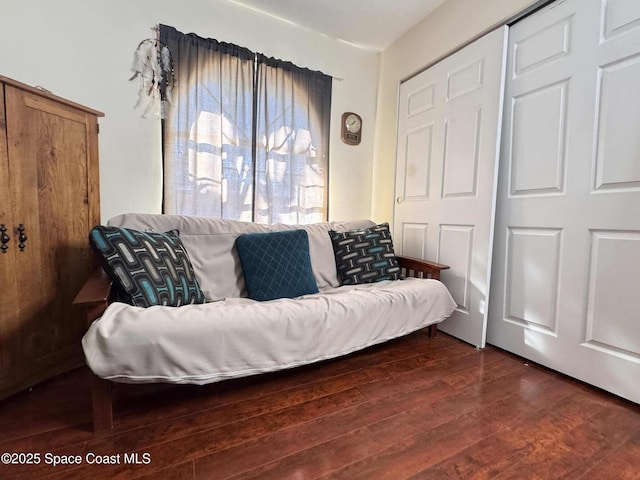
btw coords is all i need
(416, 265)
(94, 294)
(95, 290)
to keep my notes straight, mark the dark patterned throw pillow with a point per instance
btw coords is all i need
(276, 264)
(365, 256)
(147, 268)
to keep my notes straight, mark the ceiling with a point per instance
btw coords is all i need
(368, 24)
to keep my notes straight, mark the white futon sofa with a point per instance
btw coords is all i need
(233, 336)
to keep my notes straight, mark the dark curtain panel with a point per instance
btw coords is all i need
(293, 119)
(244, 144)
(208, 168)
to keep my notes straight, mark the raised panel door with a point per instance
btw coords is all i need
(52, 157)
(448, 126)
(10, 367)
(567, 277)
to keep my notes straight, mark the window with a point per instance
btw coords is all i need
(246, 136)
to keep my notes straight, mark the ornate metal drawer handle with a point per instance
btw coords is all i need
(21, 237)
(4, 238)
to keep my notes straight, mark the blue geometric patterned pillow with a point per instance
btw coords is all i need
(276, 264)
(365, 256)
(146, 268)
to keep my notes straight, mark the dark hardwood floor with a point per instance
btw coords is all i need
(415, 408)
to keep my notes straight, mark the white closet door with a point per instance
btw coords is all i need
(448, 127)
(567, 265)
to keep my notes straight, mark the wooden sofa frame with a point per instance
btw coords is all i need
(95, 296)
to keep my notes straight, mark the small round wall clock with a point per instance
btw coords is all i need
(351, 131)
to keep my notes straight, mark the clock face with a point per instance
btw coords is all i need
(353, 123)
(351, 129)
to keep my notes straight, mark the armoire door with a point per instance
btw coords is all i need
(448, 125)
(52, 157)
(10, 368)
(567, 268)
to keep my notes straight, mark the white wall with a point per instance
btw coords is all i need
(83, 49)
(453, 24)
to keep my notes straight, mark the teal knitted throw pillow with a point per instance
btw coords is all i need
(276, 264)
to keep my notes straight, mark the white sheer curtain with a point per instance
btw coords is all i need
(246, 136)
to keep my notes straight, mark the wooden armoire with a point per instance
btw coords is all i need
(49, 200)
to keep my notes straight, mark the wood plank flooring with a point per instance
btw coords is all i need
(413, 408)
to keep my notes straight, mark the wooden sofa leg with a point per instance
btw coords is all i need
(433, 330)
(102, 402)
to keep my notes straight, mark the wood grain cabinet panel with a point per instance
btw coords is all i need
(49, 193)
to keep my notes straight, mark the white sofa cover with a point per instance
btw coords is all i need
(233, 336)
